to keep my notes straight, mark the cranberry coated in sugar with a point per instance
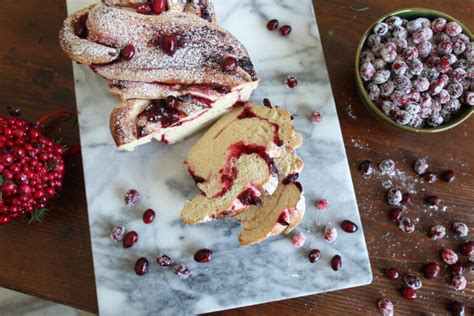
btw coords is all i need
(314, 255)
(449, 256)
(386, 307)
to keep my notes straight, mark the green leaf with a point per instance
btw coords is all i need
(2, 179)
(359, 9)
(38, 215)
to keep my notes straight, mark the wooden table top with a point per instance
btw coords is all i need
(53, 260)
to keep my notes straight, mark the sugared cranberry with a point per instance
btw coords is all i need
(449, 256)
(437, 232)
(130, 239)
(315, 117)
(336, 262)
(203, 255)
(467, 249)
(148, 216)
(457, 309)
(420, 166)
(406, 225)
(432, 200)
(392, 274)
(128, 51)
(285, 30)
(458, 282)
(144, 8)
(298, 240)
(394, 196)
(163, 261)
(118, 233)
(366, 167)
(461, 229)
(322, 204)
(386, 307)
(432, 270)
(230, 64)
(408, 293)
(412, 281)
(457, 269)
(406, 199)
(291, 82)
(395, 214)
(314, 255)
(169, 44)
(387, 166)
(272, 25)
(349, 227)
(284, 218)
(429, 177)
(448, 176)
(182, 271)
(330, 234)
(131, 197)
(158, 6)
(141, 266)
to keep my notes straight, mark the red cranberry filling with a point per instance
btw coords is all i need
(249, 197)
(284, 218)
(197, 179)
(267, 103)
(80, 27)
(246, 113)
(292, 177)
(161, 111)
(169, 44)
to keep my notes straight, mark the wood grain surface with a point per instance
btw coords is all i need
(53, 260)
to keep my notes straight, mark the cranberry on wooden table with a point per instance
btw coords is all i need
(408, 293)
(392, 274)
(432, 270)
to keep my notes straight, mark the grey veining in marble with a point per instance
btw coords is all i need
(273, 270)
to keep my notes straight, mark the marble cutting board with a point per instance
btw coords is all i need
(273, 270)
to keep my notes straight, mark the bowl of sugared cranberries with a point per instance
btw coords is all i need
(415, 70)
(31, 170)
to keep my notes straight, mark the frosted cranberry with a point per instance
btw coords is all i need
(424, 49)
(443, 65)
(336, 262)
(285, 30)
(130, 239)
(381, 28)
(453, 28)
(366, 167)
(367, 71)
(272, 25)
(131, 197)
(432, 270)
(435, 120)
(284, 218)
(330, 234)
(387, 88)
(203, 255)
(459, 47)
(424, 34)
(386, 307)
(432, 200)
(410, 54)
(158, 6)
(457, 309)
(395, 214)
(298, 240)
(400, 32)
(349, 227)
(118, 233)
(469, 97)
(467, 249)
(445, 47)
(163, 261)
(374, 40)
(182, 271)
(381, 76)
(449, 256)
(457, 269)
(393, 21)
(412, 281)
(230, 64)
(402, 83)
(322, 204)
(459, 283)
(144, 8)
(455, 90)
(169, 44)
(128, 51)
(408, 293)
(148, 216)
(457, 74)
(394, 196)
(460, 229)
(387, 166)
(429, 177)
(438, 24)
(437, 232)
(399, 67)
(291, 82)
(406, 225)
(389, 52)
(374, 91)
(141, 266)
(314, 255)
(315, 117)
(392, 274)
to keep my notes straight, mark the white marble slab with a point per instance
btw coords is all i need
(273, 270)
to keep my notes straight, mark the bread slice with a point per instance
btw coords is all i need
(260, 223)
(130, 129)
(259, 129)
(240, 158)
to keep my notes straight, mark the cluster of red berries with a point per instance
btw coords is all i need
(31, 169)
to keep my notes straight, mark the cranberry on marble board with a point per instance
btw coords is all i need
(182, 271)
(330, 234)
(118, 233)
(298, 240)
(272, 24)
(285, 30)
(322, 204)
(203, 255)
(431, 270)
(164, 261)
(130, 239)
(437, 232)
(459, 282)
(449, 256)
(148, 216)
(392, 274)
(314, 255)
(386, 307)
(349, 226)
(131, 197)
(291, 82)
(315, 117)
(336, 262)
(141, 266)
(460, 229)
